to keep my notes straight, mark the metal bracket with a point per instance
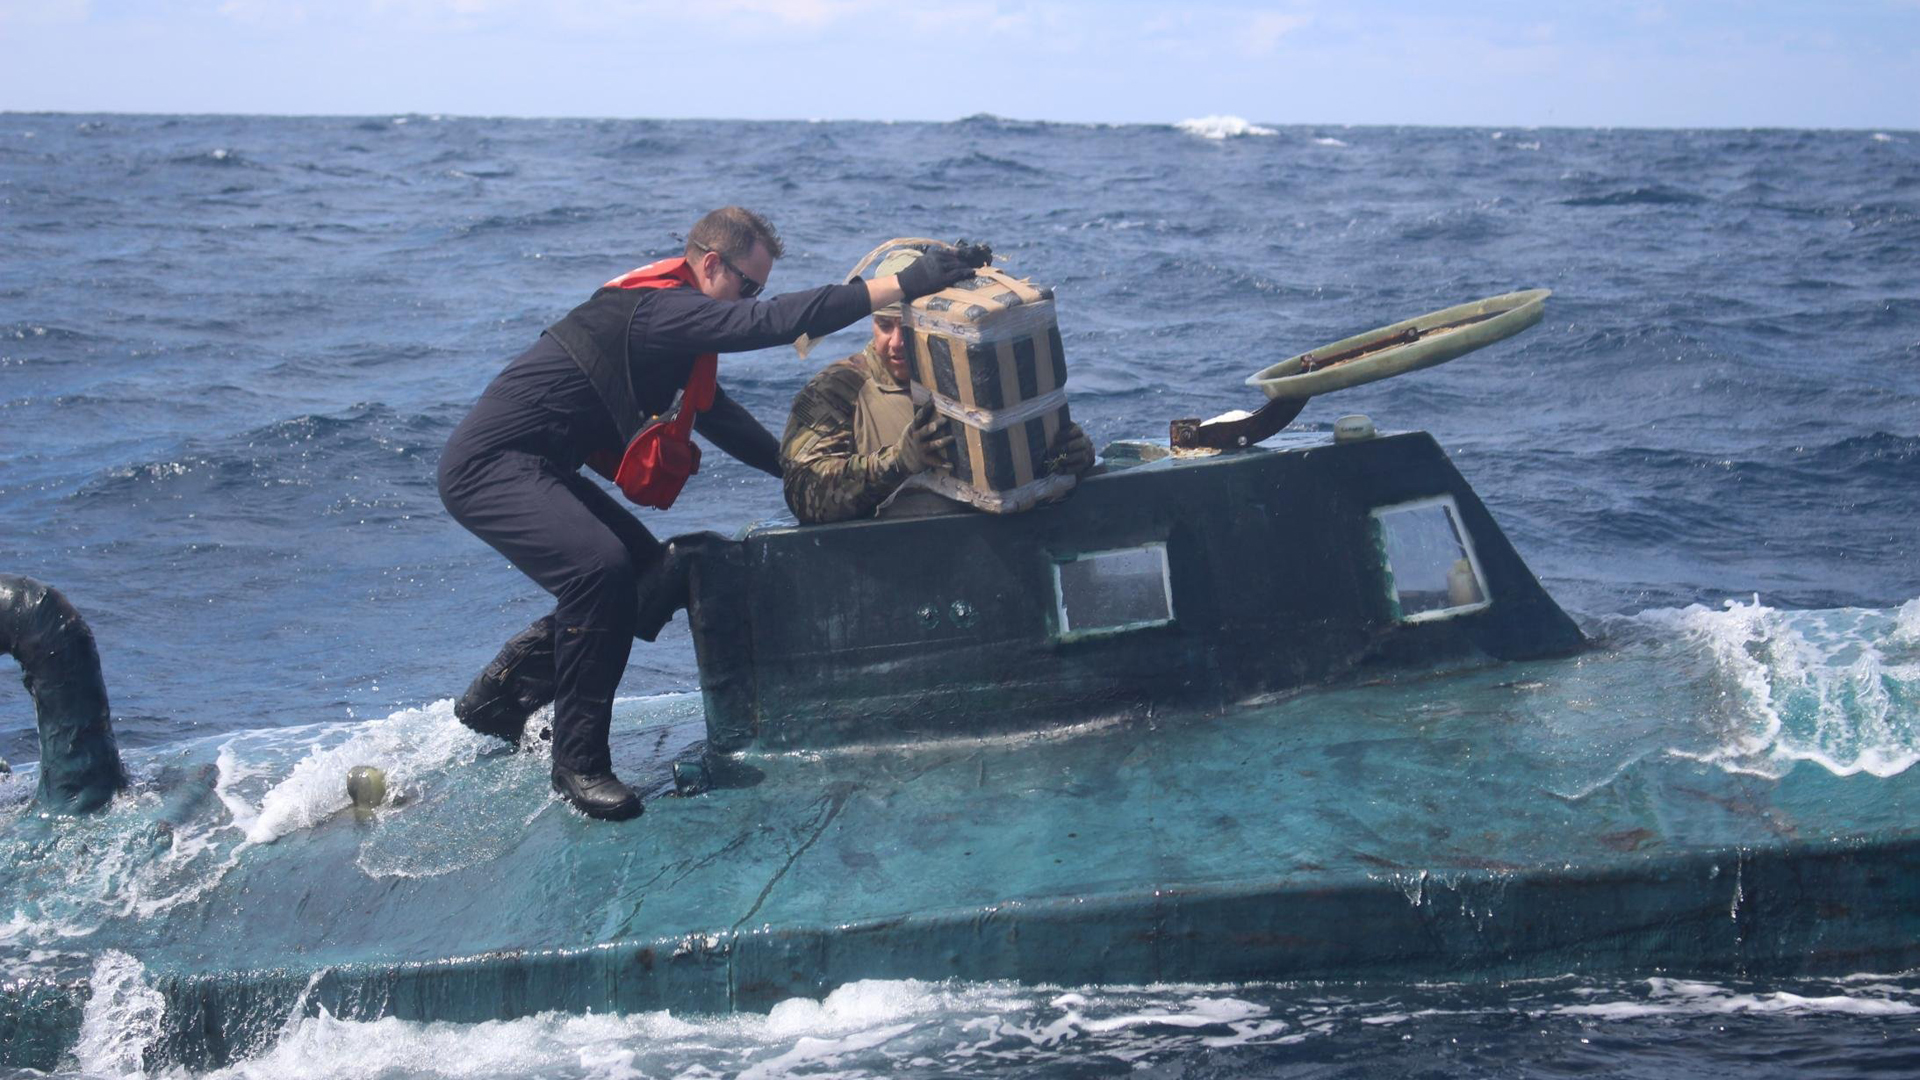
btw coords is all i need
(1192, 433)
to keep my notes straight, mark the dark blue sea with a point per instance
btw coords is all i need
(232, 348)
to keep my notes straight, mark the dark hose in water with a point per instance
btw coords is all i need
(80, 767)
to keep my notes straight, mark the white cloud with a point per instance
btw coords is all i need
(807, 13)
(734, 14)
(458, 10)
(1263, 32)
(994, 18)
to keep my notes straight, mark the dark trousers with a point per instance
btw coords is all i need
(570, 537)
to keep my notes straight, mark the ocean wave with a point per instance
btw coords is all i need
(1839, 688)
(1790, 472)
(298, 452)
(1866, 216)
(1002, 125)
(646, 147)
(1651, 195)
(1465, 225)
(197, 808)
(881, 1028)
(154, 849)
(870, 1028)
(1667, 997)
(529, 222)
(43, 332)
(218, 157)
(1881, 454)
(977, 161)
(1534, 145)
(408, 745)
(122, 1018)
(1222, 127)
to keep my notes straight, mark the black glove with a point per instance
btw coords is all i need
(924, 444)
(974, 254)
(1071, 453)
(941, 267)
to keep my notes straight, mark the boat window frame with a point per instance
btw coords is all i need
(1063, 629)
(1451, 507)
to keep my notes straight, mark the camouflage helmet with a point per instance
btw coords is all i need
(896, 261)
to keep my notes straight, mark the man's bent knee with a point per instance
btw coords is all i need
(599, 592)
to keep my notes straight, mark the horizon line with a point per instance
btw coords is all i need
(393, 114)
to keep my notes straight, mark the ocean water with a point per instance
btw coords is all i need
(231, 348)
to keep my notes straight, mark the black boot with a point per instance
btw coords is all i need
(513, 687)
(666, 586)
(597, 794)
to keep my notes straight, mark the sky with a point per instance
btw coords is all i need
(1606, 63)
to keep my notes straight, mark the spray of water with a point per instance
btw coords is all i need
(123, 1017)
(1839, 688)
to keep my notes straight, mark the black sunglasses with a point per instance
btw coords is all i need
(749, 288)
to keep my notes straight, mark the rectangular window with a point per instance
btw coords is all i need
(1432, 572)
(1108, 592)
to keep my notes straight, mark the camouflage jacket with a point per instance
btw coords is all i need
(823, 476)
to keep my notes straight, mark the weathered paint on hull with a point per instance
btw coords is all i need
(1251, 846)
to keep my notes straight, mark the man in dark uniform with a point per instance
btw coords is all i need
(510, 472)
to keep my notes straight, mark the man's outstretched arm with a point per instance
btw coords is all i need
(729, 426)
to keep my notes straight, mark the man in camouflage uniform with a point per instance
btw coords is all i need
(854, 437)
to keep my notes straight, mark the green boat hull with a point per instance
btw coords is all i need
(1413, 807)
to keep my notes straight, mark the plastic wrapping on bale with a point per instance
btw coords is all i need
(987, 351)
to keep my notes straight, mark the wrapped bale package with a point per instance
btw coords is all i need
(987, 351)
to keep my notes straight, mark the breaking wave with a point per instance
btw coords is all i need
(880, 1028)
(407, 745)
(1837, 687)
(1222, 127)
(123, 1017)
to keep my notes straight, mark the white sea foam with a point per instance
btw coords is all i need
(1906, 623)
(162, 846)
(799, 1035)
(121, 1019)
(1836, 687)
(881, 1028)
(1677, 997)
(1328, 140)
(871, 1028)
(407, 744)
(1197, 1013)
(127, 862)
(18, 935)
(1222, 127)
